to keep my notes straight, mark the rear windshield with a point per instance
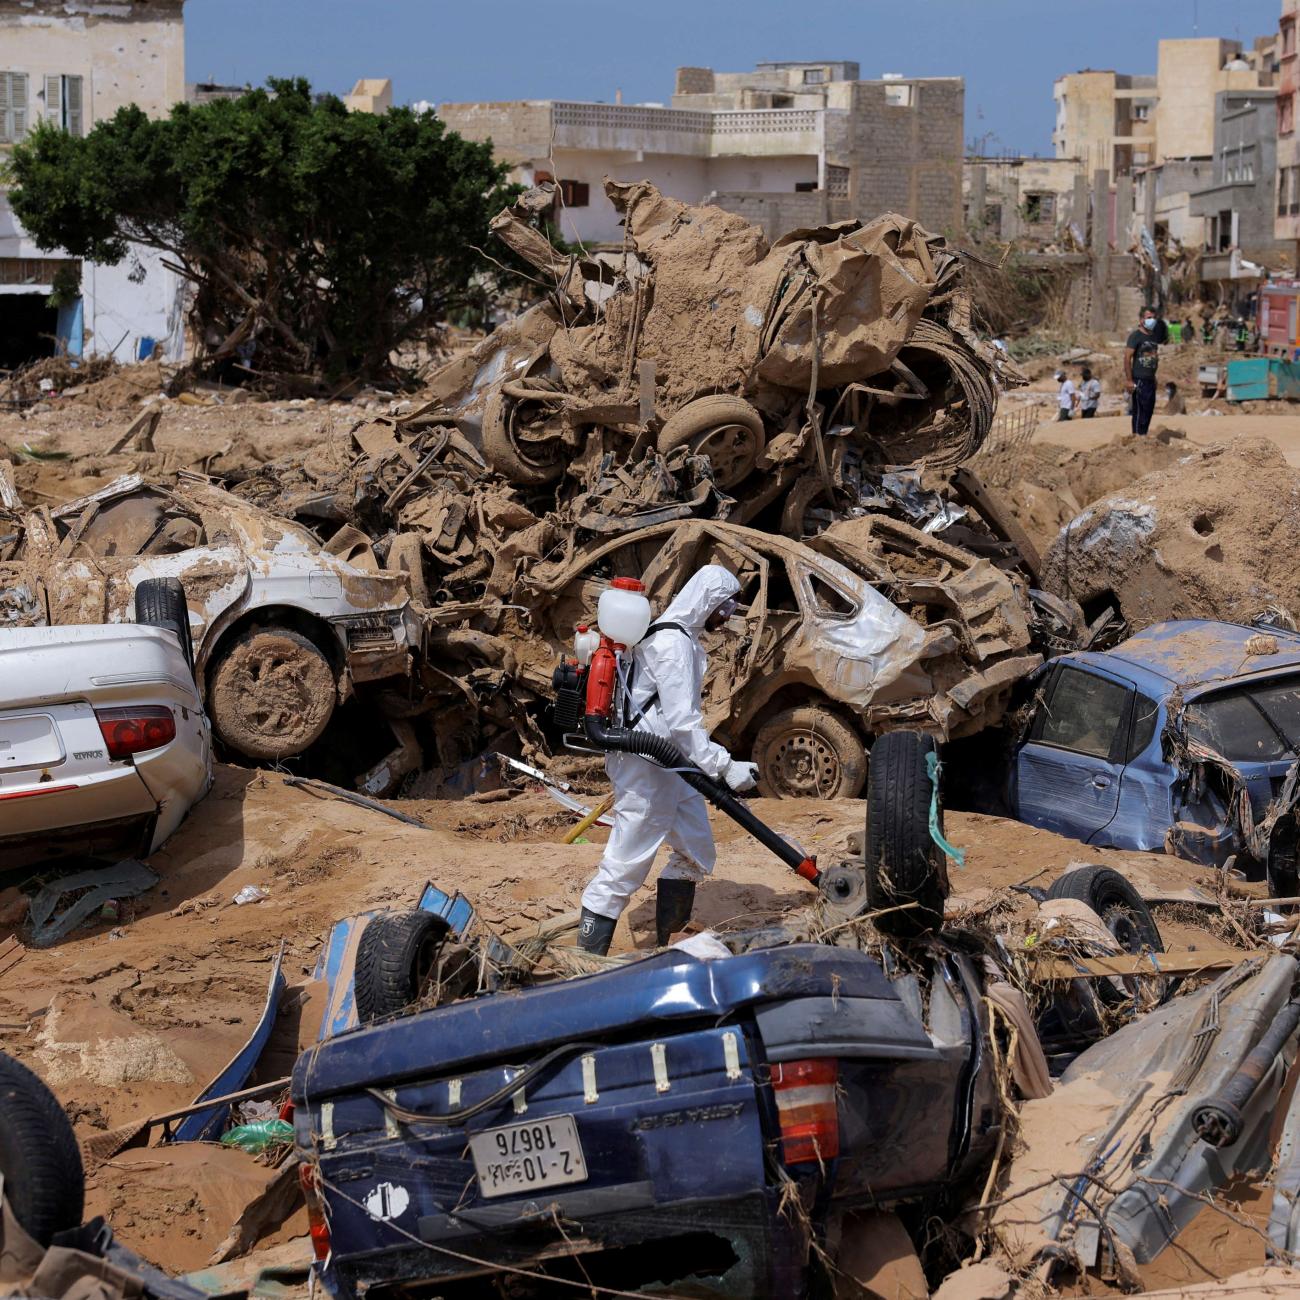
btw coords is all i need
(1257, 724)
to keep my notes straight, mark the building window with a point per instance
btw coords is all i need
(13, 106)
(1141, 112)
(837, 181)
(1285, 114)
(782, 101)
(1281, 190)
(805, 187)
(814, 76)
(898, 96)
(575, 194)
(63, 103)
(1040, 207)
(1288, 37)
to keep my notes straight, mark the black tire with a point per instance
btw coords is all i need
(43, 1178)
(809, 753)
(1122, 911)
(395, 957)
(160, 602)
(514, 460)
(903, 862)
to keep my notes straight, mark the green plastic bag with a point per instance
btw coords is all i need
(256, 1138)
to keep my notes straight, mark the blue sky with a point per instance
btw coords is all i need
(1009, 51)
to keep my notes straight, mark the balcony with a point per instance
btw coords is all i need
(629, 128)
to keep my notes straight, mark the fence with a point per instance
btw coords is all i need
(998, 462)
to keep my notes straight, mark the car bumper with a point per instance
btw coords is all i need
(616, 1236)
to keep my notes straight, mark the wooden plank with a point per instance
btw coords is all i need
(1179, 961)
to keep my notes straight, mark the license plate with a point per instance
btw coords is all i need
(520, 1157)
(29, 741)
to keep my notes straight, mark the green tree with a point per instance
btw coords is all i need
(316, 240)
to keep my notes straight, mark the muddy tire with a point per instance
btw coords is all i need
(903, 863)
(271, 694)
(396, 955)
(1123, 913)
(809, 753)
(160, 602)
(406, 555)
(528, 464)
(39, 1157)
(724, 428)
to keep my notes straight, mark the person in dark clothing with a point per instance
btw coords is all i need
(1141, 357)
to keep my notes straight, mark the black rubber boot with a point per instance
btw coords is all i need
(674, 900)
(595, 932)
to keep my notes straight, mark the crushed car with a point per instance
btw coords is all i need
(104, 742)
(1182, 739)
(872, 626)
(284, 630)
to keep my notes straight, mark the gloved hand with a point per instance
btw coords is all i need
(741, 776)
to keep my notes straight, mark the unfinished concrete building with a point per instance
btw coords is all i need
(74, 63)
(1025, 199)
(1286, 224)
(785, 145)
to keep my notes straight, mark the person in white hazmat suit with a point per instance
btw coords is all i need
(653, 805)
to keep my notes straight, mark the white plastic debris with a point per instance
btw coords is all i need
(705, 946)
(251, 894)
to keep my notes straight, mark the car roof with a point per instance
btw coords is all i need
(1195, 654)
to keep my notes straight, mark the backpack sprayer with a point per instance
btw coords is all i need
(588, 699)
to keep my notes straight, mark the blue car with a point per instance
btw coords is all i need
(690, 1127)
(1182, 739)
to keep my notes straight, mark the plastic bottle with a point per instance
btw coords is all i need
(584, 644)
(623, 612)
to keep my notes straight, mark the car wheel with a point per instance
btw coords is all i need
(160, 602)
(396, 955)
(1123, 913)
(512, 450)
(271, 694)
(809, 753)
(904, 864)
(39, 1157)
(724, 428)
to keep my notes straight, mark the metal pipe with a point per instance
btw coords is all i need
(1218, 1119)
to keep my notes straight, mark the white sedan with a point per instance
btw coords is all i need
(104, 743)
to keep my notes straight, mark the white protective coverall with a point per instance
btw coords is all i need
(651, 804)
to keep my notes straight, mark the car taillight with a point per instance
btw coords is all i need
(317, 1225)
(132, 731)
(805, 1103)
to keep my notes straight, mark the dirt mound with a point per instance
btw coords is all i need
(1057, 482)
(1214, 536)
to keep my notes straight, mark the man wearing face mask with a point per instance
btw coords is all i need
(1141, 357)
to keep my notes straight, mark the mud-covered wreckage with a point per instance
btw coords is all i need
(798, 411)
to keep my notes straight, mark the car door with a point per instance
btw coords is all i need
(1069, 770)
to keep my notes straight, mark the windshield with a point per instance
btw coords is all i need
(1256, 724)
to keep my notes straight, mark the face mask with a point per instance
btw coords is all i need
(1150, 322)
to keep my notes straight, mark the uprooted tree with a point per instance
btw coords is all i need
(316, 240)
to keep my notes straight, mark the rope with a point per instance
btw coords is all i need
(932, 768)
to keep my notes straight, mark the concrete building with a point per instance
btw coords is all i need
(370, 95)
(74, 63)
(1106, 120)
(1237, 208)
(1286, 224)
(786, 145)
(1027, 199)
(1123, 123)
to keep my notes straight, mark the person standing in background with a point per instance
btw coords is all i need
(1089, 395)
(1141, 359)
(1067, 398)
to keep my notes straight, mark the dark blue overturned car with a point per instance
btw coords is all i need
(674, 1125)
(1182, 739)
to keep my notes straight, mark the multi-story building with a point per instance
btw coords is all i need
(1122, 123)
(74, 63)
(1286, 225)
(1237, 207)
(786, 145)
